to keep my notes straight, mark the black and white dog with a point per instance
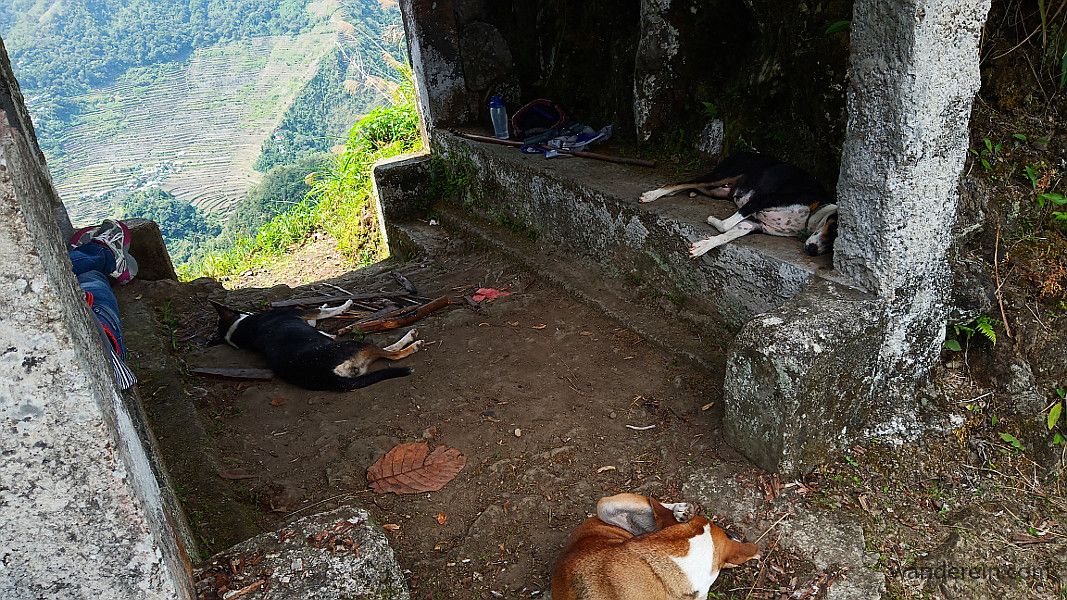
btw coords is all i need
(306, 357)
(771, 196)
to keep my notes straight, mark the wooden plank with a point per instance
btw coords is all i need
(233, 372)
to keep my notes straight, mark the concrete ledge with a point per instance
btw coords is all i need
(590, 208)
(798, 378)
(335, 555)
(402, 184)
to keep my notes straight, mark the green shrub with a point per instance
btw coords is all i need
(338, 202)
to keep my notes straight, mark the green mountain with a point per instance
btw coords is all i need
(193, 96)
(63, 48)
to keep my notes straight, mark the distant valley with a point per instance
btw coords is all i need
(198, 124)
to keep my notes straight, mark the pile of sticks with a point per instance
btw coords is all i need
(371, 313)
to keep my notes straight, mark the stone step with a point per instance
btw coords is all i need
(589, 208)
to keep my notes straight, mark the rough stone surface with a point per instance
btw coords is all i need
(433, 45)
(402, 185)
(654, 71)
(798, 378)
(13, 105)
(337, 555)
(150, 251)
(79, 476)
(914, 74)
(826, 368)
(486, 56)
(824, 538)
(75, 481)
(469, 10)
(591, 209)
(711, 139)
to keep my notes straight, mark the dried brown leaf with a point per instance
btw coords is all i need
(411, 469)
(441, 518)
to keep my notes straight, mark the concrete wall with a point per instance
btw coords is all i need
(914, 78)
(866, 338)
(82, 511)
(835, 364)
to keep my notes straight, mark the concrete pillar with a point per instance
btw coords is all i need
(433, 45)
(914, 75)
(844, 358)
(654, 70)
(82, 512)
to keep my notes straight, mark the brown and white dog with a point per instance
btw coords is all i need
(772, 196)
(639, 549)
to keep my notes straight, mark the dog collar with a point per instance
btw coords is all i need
(818, 216)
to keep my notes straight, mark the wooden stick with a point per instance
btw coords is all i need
(403, 321)
(384, 313)
(593, 155)
(316, 300)
(996, 274)
(234, 373)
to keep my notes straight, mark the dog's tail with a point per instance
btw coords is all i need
(345, 384)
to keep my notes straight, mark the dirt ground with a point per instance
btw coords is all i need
(537, 393)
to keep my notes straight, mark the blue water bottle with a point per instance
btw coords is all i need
(499, 116)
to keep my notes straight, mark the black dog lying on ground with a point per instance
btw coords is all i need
(771, 196)
(306, 357)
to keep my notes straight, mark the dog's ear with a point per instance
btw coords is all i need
(226, 315)
(632, 512)
(730, 551)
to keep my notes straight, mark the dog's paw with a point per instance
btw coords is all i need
(714, 222)
(414, 333)
(683, 511)
(648, 196)
(416, 345)
(701, 248)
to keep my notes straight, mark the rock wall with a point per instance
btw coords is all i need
(82, 511)
(650, 67)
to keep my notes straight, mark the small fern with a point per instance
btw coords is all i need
(984, 326)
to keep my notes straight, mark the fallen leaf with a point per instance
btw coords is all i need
(539, 326)
(439, 546)
(707, 406)
(441, 518)
(607, 468)
(391, 527)
(235, 475)
(410, 469)
(489, 294)
(513, 323)
(277, 401)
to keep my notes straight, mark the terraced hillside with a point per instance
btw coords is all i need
(193, 127)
